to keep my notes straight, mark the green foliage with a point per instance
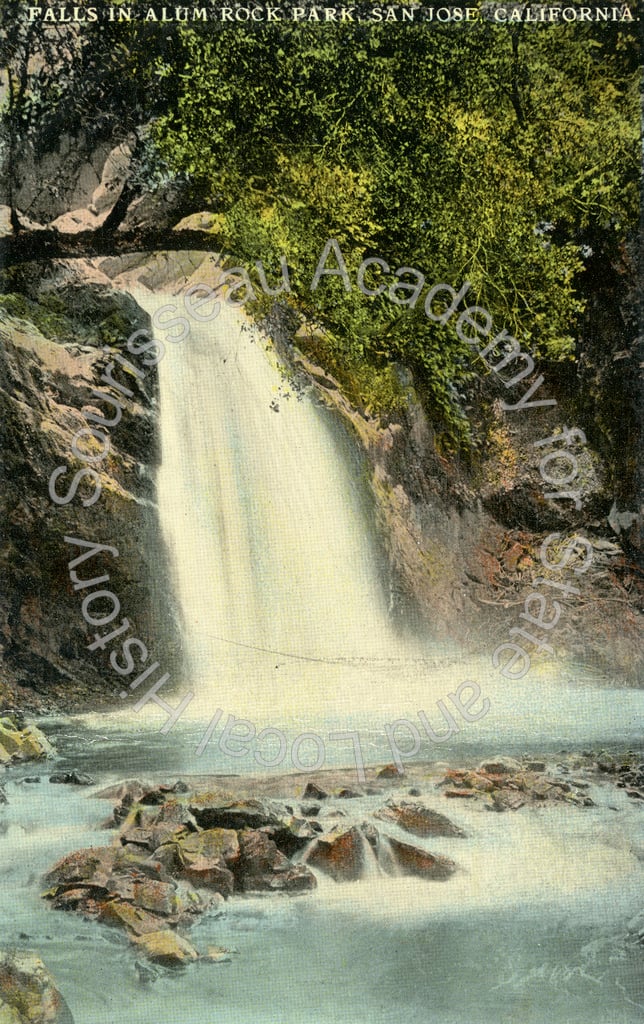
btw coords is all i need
(484, 154)
(500, 155)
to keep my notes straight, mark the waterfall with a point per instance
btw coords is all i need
(262, 507)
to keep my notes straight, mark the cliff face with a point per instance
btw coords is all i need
(57, 340)
(467, 541)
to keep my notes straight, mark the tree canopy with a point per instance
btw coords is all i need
(507, 156)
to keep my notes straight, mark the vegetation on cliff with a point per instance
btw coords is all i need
(502, 155)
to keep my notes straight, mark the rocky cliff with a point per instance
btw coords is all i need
(464, 535)
(58, 337)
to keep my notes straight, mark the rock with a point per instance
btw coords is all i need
(134, 920)
(313, 792)
(132, 789)
(413, 861)
(19, 742)
(507, 801)
(90, 864)
(208, 874)
(418, 819)
(219, 954)
(205, 859)
(339, 854)
(500, 766)
(121, 888)
(414, 791)
(460, 793)
(72, 778)
(262, 866)
(292, 834)
(3, 796)
(215, 812)
(28, 993)
(535, 766)
(347, 794)
(390, 771)
(166, 947)
(31, 780)
(217, 844)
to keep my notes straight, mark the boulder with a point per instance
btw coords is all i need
(134, 920)
(313, 792)
(292, 834)
(72, 778)
(507, 801)
(19, 742)
(28, 993)
(165, 947)
(217, 844)
(205, 858)
(263, 867)
(122, 888)
(208, 874)
(413, 861)
(339, 853)
(391, 771)
(211, 812)
(418, 819)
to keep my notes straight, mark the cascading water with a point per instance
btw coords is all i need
(276, 569)
(275, 565)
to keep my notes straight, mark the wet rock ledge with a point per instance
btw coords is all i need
(28, 994)
(179, 853)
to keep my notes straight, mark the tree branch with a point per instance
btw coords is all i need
(33, 246)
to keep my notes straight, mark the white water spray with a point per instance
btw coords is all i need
(276, 568)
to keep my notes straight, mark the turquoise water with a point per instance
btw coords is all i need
(531, 931)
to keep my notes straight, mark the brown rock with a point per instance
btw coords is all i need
(413, 861)
(339, 854)
(418, 819)
(166, 947)
(209, 874)
(313, 792)
(390, 771)
(133, 919)
(28, 993)
(262, 866)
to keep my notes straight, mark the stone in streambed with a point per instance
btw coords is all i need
(310, 810)
(339, 854)
(413, 861)
(218, 844)
(20, 742)
(313, 792)
(291, 834)
(166, 948)
(28, 993)
(213, 811)
(208, 874)
(391, 771)
(263, 867)
(418, 819)
(72, 778)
